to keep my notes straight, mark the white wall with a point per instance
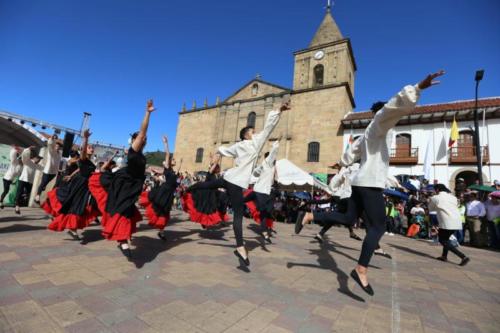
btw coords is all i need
(421, 133)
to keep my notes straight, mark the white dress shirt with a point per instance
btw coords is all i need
(378, 138)
(15, 167)
(246, 152)
(29, 167)
(446, 207)
(53, 158)
(475, 208)
(265, 172)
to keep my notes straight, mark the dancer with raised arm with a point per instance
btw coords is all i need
(158, 202)
(14, 171)
(204, 205)
(236, 179)
(70, 205)
(369, 182)
(51, 167)
(116, 195)
(30, 166)
(261, 193)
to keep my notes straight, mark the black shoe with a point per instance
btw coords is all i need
(162, 236)
(126, 252)
(1, 205)
(319, 239)
(442, 259)
(37, 201)
(298, 222)
(267, 239)
(383, 254)
(367, 289)
(356, 237)
(464, 261)
(74, 235)
(273, 231)
(245, 261)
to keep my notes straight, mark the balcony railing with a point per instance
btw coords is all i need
(467, 155)
(404, 156)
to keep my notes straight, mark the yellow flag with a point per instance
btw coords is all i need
(453, 134)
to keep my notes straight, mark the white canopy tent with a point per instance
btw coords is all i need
(292, 177)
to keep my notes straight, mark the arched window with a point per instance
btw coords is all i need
(255, 89)
(313, 152)
(251, 119)
(318, 75)
(403, 145)
(199, 155)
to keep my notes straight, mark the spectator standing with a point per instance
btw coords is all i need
(492, 206)
(475, 212)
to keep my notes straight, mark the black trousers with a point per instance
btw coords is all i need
(444, 239)
(342, 216)
(6, 188)
(263, 202)
(21, 188)
(46, 178)
(369, 202)
(235, 194)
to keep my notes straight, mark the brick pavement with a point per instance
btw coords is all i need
(192, 283)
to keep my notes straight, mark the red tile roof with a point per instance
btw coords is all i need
(431, 108)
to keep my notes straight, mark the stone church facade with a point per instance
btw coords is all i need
(311, 132)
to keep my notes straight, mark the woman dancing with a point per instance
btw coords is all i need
(71, 204)
(158, 202)
(204, 206)
(117, 193)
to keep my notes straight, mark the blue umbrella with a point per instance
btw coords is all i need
(303, 195)
(409, 186)
(397, 194)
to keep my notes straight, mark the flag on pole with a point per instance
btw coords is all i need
(453, 133)
(429, 158)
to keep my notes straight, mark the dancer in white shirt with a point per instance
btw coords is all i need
(369, 182)
(236, 179)
(261, 193)
(14, 170)
(30, 165)
(51, 167)
(446, 206)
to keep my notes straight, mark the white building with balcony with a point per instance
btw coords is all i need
(429, 125)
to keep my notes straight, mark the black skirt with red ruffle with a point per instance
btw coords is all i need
(254, 211)
(71, 205)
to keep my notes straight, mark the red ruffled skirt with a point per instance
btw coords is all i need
(52, 206)
(61, 221)
(155, 220)
(256, 215)
(114, 227)
(199, 217)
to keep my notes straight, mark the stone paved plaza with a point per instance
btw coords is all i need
(192, 283)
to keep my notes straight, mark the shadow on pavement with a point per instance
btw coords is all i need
(411, 251)
(148, 248)
(20, 228)
(326, 261)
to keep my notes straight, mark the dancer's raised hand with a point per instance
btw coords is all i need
(429, 80)
(150, 107)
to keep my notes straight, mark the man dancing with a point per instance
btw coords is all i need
(236, 179)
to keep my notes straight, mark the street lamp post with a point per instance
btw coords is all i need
(478, 78)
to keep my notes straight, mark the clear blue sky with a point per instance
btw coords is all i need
(59, 58)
